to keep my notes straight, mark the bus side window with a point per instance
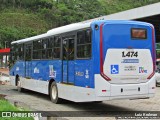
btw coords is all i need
(37, 49)
(28, 52)
(88, 36)
(45, 43)
(50, 47)
(84, 44)
(57, 47)
(12, 57)
(80, 37)
(44, 48)
(12, 53)
(20, 52)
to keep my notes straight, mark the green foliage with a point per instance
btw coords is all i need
(6, 106)
(24, 18)
(20, 24)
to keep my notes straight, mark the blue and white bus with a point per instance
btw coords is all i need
(96, 61)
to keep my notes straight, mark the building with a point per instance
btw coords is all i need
(148, 13)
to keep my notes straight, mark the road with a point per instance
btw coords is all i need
(40, 102)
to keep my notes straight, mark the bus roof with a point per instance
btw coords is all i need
(72, 27)
(55, 31)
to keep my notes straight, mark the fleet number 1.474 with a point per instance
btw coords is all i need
(130, 54)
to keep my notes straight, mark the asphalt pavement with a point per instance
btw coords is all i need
(70, 110)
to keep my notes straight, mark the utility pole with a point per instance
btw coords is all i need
(5, 44)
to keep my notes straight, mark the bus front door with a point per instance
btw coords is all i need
(28, 63)
(68, 60)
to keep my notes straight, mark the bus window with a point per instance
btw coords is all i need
(84, 44)
(71, 49)
(44, 54)
(28, 52)
(45, 43)
(49, 53)
(44, 48)
(80, 37)
(37, 44)
(14, 52)
(37, 54)
(88, 36)
(37, 49)
(56, 53)
(50, 42)
(65, 49)
(68, 48)
(57, 49)
(57, 41)
(12, 56)
(20, 52)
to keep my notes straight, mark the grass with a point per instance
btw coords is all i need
(6, 106)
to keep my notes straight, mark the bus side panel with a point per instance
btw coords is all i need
(28, 69)
(71, 72)
(84, 73)
(47, 69)
(18, 69)
(65, 71)
(39, 70)
(95, 51)
(68, 72)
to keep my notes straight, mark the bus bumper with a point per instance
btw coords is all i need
(107, 91)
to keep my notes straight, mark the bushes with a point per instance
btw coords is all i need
(24, 18)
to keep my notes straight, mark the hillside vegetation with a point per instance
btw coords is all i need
(24, 18)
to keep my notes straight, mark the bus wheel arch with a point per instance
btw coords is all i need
(53, 92)
(18, 83)
(16, 80)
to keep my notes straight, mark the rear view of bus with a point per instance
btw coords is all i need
(127, 60)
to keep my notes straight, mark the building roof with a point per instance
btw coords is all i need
(132, 14)
(149, 13)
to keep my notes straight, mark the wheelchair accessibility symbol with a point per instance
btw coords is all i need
(114, 69)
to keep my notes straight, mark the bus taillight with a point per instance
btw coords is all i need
(101, 54)
(153, 54)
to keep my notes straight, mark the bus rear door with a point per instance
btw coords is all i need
(68, 60)
(28, 63)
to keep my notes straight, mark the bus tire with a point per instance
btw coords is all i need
(19, 88)
(54, 93)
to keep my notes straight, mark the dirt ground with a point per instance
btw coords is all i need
(4, 70)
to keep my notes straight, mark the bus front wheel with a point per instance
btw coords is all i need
(54, 93)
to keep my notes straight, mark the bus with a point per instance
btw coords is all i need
(83, 62)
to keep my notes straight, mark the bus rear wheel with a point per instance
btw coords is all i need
(54, 93)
